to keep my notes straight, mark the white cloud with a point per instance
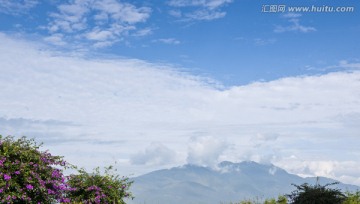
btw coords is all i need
(211, 4)
(292, 15)
(154, 154)
(16, 7)
(103, 21)
(122, 12)
(263, 42)
(342, 65)
(99, 35)
(345, 171)
(144, 32)
(102, 44)
(175, 13)
(205, 15)
(70, 17)
(200, 9)
(56, 39)
(346, 64)
(120, 106)
(205, 151)
(295, 26)
(168, 41)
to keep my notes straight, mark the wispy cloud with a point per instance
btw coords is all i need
(22, 122)
(172, 41)
(16, 7)
(128, 108)
(48, 131)
(200, 10)
(102, 22)
(210, 4)
(295, 26)
(144, 32)
(340, 66)
(263, 42)
(175, 13)
(349, 65)
(205, 15)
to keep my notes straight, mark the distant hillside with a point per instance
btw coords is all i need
(191, 184)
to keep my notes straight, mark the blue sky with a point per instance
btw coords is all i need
(155, 84)
(235, 35)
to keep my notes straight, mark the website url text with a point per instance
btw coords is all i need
(309, 9)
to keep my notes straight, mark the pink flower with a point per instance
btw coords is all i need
(2, 161)
(7, 177)
(29, 187)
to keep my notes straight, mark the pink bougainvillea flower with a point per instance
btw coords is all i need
(29, 187)
(7, 177)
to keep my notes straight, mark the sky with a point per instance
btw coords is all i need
(147, 85)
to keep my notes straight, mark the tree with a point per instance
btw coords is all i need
(28, 175)
(97, 188)
(316, 194)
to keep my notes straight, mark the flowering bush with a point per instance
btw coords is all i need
(28, 175)
(97, 188)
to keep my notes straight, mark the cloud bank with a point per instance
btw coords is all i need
(148, 115)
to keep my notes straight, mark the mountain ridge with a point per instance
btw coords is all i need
(228, 182)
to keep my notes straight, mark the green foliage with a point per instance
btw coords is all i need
(270, 201)
(246, 202)
(352, 198)
(97, 188)
(28, 175)
(281, 200)
(316, 194)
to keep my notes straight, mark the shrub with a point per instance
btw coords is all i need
(280, 200)
(316, 194)
(28, 175)
(352, 198)
(97, 188)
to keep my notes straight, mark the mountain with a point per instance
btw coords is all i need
(230, 182)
